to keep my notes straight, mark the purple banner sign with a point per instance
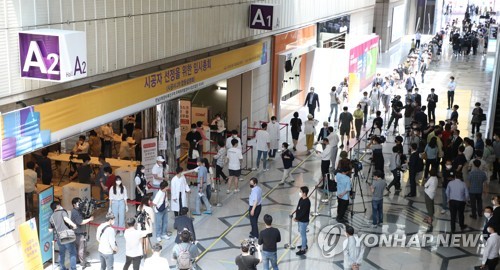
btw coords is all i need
(261, 17)
(40, 58)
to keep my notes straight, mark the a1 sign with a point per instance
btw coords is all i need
(53, 55)
(264, 17)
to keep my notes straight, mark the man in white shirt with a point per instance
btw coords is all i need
(353, 250)
(107, 134)
(325, 157)
(105, 235)
(491, 250)
(81, 146)
(273, 128)
(234, 158)
(262, 140)
(157, 172)
(160, 205)
(155, 261)
(133, 245)
(365, 103)
(333, 140)
(234, 135)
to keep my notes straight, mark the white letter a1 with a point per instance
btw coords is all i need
(38, 62)
(259, 18)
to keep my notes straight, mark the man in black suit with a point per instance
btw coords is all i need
(410, 83)
(421, 117)
(454, 143)
(432, 100)
(417, 97)
(414, 168)
(488, 214)
(311, 101)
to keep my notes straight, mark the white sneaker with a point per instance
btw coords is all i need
(266, 170)
(443, 212)
(166, 237)
(254, 169)
(158, 239)
(241, 179)
(237, 190)
(228, 191)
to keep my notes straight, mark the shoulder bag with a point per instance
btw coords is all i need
(66, 236)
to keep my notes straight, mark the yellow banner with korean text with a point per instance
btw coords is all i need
(72, 110)
(30, 246)
(34, 127)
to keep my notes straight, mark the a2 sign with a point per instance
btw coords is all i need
(53, 55)
(264, 17)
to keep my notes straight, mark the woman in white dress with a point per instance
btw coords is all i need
(178, 189)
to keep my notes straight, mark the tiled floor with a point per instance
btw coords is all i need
(219, 235)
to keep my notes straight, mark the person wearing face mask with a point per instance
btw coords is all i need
(457, 194)
(80, 231)
(312, 99)
(302, 213)
(118, 202)
(255, 201)
(477, 118)
(453, 144)
(202, 183)
(358, 121)
(140, 183)
(178, 190)
(105, 235)
(287, 157)
(273, 128)
(194, 139)
(343, 190)
(234, 135)
(488, 214)
(491, 249)
(448, 175)
(365, 103)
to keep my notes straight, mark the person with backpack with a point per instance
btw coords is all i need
(59, 221)
(105, 235)
(183, 222)
(185, 253)
(160, 205)
(287, 157)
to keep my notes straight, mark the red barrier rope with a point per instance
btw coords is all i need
(248, 148)
(283, 124)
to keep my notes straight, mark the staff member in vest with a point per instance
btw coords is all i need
(59, 222)
(312, 100)
(255, 201)
(77, 218)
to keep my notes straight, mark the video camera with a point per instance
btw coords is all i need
(356, 165)
(141, 218)
(87, 207)
(252, 248)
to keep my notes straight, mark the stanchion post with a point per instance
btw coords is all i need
(218, 204)
(290, 245)
(315, 213)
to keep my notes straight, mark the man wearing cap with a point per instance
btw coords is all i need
(105, 235)
(312, 100)
(343, 190)
(157, 173)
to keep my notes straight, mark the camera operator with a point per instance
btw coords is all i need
(133, 245)
(268, 238)
(409, 111)
(397, 106)
(80, 232)
(145, 218)
(59, 222)
(246, 261)
(185, 253)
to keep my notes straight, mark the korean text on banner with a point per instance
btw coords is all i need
(149, 148)
(184, 121)
(30, 246)
(363, 63)
(63, 118)
(45, 198)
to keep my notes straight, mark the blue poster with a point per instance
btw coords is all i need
(45, 198)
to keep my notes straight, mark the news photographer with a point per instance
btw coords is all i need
(59, 222)
(396, 107)
(79, 218)
(377, 156)
(133, 245)
(146, 218)
(246, 260)
(185, 252)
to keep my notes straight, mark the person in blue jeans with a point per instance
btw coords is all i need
(377, 188)
(268, 239)
(202, 187)
(59, 222)
(302, 218)
(160, 203)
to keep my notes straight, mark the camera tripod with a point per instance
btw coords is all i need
(356, 183)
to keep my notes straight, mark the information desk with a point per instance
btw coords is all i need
(93, 160)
